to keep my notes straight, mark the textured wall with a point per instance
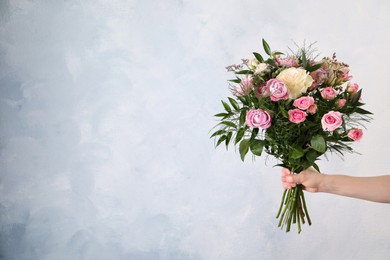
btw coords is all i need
(105, 108)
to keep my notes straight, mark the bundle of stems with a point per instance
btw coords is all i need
(293, 209)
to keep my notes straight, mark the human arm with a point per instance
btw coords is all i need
(375, 188)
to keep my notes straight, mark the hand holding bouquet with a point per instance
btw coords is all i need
(295, 108)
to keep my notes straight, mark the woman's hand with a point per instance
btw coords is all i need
(310, 179)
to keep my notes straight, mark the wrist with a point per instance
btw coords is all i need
(323, 181)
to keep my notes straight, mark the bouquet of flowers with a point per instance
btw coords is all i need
(295, 108)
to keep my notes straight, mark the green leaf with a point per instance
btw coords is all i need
(228, 138)
(219, 132)
(221, 114)
(296, 153)
(277, 53)
(318, 143)
(304, 59)
(255, 131)
(234, 103)
(220, 140)
(242, 117)
(271, 62)
(240, 134)
(235, 80)
(228, 123)
(257, 146)
(311, 155)
(314, 67)
(362, 111)
(244, 148)
(316, 167)
(258, 57)
(226, 106)
(243, 100)
(244, 72)
(266, 47)
(356, 98)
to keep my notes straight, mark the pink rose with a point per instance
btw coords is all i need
(341, 102)
(277, 89)
(287, 62)
(262, 91)
(297, 116)
(312, 109)
(352, 88)
(328, 93)
(244, 88)
(258, 118)
(355, 134)
(303, 102)
(331, 121)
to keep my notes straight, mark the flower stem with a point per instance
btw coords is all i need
(292, 209)
(305, 209)
(281, 203)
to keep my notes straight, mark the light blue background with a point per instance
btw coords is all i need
(105, 108)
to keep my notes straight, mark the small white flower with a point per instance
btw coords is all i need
(261, 67)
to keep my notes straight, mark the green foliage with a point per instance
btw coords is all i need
(256, 146)
(258, 57)
(296, 145)
(244, 148)
(318, 143)
(266, 47)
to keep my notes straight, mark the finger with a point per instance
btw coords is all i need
(295, 178)
(285, 172)
(286, 185)
(285, 179)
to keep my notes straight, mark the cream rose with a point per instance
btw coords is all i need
(252, 64)
(261, 67)
(297, 81)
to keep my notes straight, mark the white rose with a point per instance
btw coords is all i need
(297, 81)
(261, 67)
(252, 64)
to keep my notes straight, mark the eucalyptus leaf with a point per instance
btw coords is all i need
(296, 153)
(311, 155)
(318, 143)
